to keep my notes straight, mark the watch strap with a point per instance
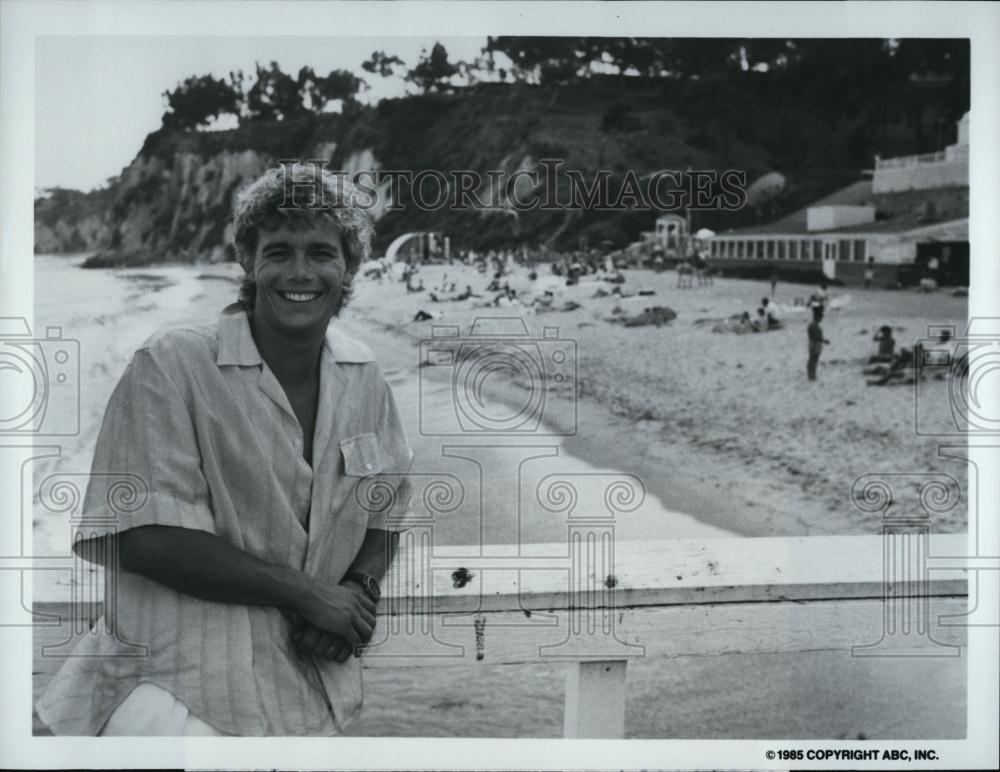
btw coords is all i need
(368, 583)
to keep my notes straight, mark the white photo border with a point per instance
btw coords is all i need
(22, 22)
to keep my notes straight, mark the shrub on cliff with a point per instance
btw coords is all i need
(200, 99)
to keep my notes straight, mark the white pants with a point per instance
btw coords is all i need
(152, 711)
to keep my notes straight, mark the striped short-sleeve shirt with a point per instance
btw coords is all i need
(204, 431)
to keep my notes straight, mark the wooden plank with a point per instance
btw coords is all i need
(664, 631)
(668, 572)
(595, 700)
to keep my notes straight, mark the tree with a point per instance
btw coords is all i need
(381, 64)
(340, 85)
(434, 70)
(542, 59)
(549, 60)
(200, 99)
(274, 96)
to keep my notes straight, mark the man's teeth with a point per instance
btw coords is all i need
(300, 297)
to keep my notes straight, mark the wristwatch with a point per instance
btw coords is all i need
(368, 584)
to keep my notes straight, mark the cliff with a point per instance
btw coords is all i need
(174, 201)
(68, 221)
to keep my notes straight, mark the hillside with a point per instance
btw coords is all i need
(174, 200)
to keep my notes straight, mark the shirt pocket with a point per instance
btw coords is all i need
(363, 460)
(362, 457)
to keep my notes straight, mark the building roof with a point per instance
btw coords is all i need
(903, 215)
(944, 230)
(856, 194)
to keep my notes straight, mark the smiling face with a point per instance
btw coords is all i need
(300, 276)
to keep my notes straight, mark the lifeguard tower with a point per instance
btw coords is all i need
(672, 236)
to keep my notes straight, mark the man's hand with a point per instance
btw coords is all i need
(311, 640)
(331, 622)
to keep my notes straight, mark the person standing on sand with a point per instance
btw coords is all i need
(247, 573)
(816, 342)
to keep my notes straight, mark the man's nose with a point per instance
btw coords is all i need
(298, 268)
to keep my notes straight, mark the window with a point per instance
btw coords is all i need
(793, 250)
(760, 248)
(770, 248)
(844, 250)
(860, 253)
(781, 250)
(817, 250)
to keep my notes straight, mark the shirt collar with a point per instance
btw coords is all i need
(237, 347)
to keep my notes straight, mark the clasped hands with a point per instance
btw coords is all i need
(329, 622)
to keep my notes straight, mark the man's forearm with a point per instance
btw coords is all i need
(205, 566)
(376, 553)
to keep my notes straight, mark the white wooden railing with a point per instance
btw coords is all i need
(596, 605)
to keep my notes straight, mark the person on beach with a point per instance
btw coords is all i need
(897, 371)
(816, 342)
(886, 345)
(770, 314)
(247, 571)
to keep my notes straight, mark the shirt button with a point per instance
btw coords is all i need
(298, 443)
(368, 466)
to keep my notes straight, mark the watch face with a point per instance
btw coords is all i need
(368, 584)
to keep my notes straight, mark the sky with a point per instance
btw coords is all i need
(97, 97)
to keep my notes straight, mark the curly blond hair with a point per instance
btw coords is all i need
(297, 196)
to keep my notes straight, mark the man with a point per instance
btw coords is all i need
(816, 341)
(249, 567)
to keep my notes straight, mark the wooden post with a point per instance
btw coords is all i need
(595, 700)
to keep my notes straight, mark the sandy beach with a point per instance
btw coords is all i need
(721, 426)
(724, 431)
